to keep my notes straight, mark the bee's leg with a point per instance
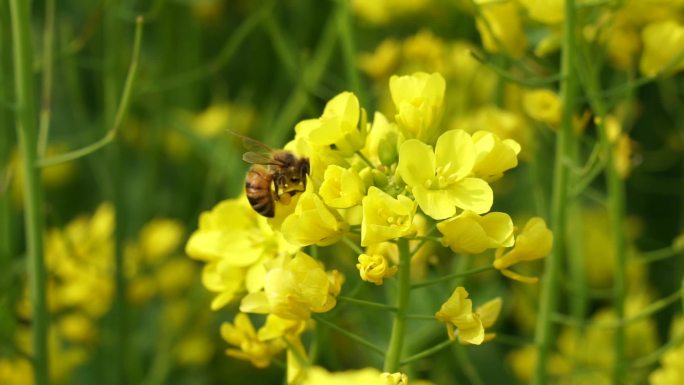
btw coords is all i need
(277, 182)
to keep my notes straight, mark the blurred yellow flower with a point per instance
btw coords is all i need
(397, 378)
(663, 43)
(623, 149)
(374, 268)
(543, 105)
(77, 327)
(381, 63)
(80, 261)
(51, 177)
(222, 116)
(384, 217)
(457, 313)
(341, 188)
(500, 27)
(277, 327)
(175, 276)
(418, 100)
(469, 233)
(425, 51)
(545, 11)
(159, 238)
(194, 349)
(384, 11)
(368, 376)
(17, 371)
(241, 334)
(534, 242)
(440, 180)
(671, 370)
(294, 290)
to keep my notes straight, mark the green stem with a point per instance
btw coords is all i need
(112, 53)
(452, 276)
(349, 334)
(33, 194)
(376, 305)
(616, 207)
(616, 191)
(365, 160)
(48, 70)
(657, 255)
(6, 171)
(622, 322)
(467, 365)
(121, 110)
(428, 352)
(548, 301)
(352, 245)
(396, 344)
(422, 317)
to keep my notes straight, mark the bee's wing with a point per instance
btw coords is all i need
(257, 152)
(259, 158)
(252, 145)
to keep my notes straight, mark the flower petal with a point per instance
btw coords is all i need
(439, 204)
(472, 194)
(455, 149)
(416, 162)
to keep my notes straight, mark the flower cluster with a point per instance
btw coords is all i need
(373, 183)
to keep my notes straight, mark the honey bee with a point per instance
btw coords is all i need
(275, 175)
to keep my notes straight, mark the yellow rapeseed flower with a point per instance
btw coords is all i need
(440, 180)
(418, 100)
(489, 313)
(368, 376)
(671, 370)
(382, 141)
(384, 217)
(241, 334)
(663, 42)
(545, 11)
(457, 313)
(80, 261)
(18, 371)
(341, 188)
(493, 156)
(383, 61)
(276, 327)
(234, 241)
(340, 127)
(159, 238)
(77, 327)
(534, 242)
(502, 123)
(500, 27)
(397, 378)
(375, 268)
(294, 290)
(312, 221)
(543, 105)
(469, 233)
